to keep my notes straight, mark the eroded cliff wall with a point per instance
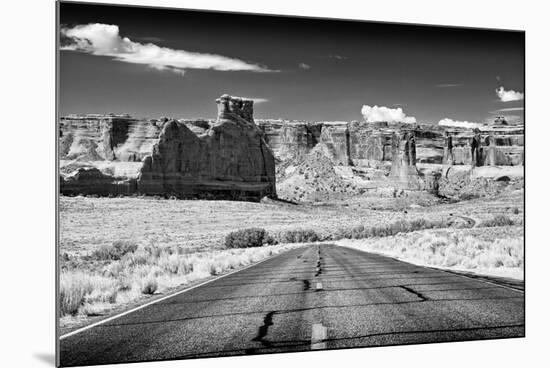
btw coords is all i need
(365, 144)
(226, 158)
(106, 137)
(490, 146)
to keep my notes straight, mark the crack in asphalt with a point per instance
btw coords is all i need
(412, 291)
(262, 330)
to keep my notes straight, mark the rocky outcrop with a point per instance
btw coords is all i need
(369, 143)
(226, 158)
(290, 140)
(235, 157)
(461, 182)
(488, 146)
(88, 180)
(335, 137)
(360, 144)
(404, 173)
(106, 137)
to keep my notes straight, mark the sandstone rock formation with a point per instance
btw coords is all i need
(290, 140)
(355, 143)
(90, 180)
(404, 173)
(335, 137)
(489, 146)
(235, 157)
(461, 182)
(106, 137)
(229, 159)
(224, 159)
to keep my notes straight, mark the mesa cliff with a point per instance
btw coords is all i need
(377, 157)
(236, 157)
(368, 144)
(226, 158)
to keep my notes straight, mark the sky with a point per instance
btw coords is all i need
(166, 62)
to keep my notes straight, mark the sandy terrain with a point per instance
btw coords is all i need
(87, 223)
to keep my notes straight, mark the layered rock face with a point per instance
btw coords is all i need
(106, 137)
(397, 155)
(226, 158)
(404, 173)
(369, 143)
(235, 157)
(335, 137)
(357, 143)
(290, 140)
(490, 146)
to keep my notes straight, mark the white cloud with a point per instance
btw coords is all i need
(105, 40)
(459, 124)
(506, 96)
(510, 109)
(304, 66)
(382, 113)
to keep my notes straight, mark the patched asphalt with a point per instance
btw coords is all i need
(314, 297)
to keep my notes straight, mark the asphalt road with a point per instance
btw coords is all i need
(316, 297)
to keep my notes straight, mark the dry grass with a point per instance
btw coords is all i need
(200, 226)
(498, 220)
(458, 249)
(78, 288)
(146, 271)
(170, 243)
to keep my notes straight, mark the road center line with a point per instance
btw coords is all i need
(318, 335)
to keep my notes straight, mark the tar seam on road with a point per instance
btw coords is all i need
(262, 330)
(412, 291)
(82, 329)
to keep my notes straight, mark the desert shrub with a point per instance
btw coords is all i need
(114, 251)
(401, 226)
(246, 238)
(71, 295)
(497, 220)
(105, 294)
(299, 236)
(138, 258)
(271, 240)
(76, 288)
(149, 285)
(96, 309)
(113, 269)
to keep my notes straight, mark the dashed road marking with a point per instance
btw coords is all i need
(318, 335)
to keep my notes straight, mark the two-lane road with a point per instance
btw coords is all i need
(314, 297)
